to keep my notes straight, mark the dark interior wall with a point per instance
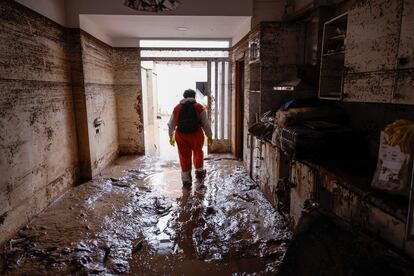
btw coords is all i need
(38, 144)
(373, 117)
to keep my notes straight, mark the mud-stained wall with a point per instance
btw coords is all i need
(38, 145)
(100, 97)
(282, 52)
(129, 100)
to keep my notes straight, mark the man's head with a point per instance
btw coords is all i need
(189, 93)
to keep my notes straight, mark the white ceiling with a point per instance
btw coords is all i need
(116, 29)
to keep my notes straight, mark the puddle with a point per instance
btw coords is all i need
(169, 182)
(137, 218)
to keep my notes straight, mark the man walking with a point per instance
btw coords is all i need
(188, 121)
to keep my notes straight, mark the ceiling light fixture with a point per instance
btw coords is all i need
(182, 29)
(152, 5)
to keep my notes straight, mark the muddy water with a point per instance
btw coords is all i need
(137, 218)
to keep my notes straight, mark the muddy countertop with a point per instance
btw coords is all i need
(356, 175)
(137, 218)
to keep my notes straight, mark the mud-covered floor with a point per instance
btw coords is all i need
(137, 218)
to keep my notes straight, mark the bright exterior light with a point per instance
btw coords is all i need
(154, 43)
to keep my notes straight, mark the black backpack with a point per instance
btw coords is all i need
(188, 121)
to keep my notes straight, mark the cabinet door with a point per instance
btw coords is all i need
(256, 159)
(371, 48)
(303, 177)
(404, 93)
(406, 48)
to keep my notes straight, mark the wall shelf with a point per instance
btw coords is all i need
(338, 37)
(334, 54)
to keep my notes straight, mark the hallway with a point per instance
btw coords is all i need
(135, 217)
(308, 120)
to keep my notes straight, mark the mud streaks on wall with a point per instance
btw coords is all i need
(38, 142)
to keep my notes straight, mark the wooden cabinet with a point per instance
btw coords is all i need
(304, 179)
(269, 166)
(257, 157)
(254, 48)
(379, 53)
(373, 34)
(371, 51)
(406, 45)
(275, 53)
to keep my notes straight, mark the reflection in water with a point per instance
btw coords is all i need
(137, 218)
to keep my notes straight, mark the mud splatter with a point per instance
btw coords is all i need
(137, 218)
(49, 133)
(3, 218)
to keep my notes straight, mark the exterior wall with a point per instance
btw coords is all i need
(129, 100)
(100, 101)
(38, 144)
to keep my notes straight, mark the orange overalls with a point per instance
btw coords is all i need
(190, 143)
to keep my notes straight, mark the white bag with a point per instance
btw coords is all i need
(393, 173)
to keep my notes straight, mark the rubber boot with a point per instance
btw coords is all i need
(200, 173)
(186, 178)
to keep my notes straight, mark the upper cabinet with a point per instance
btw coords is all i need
(379, 58)
(406, 47)
(332, 60)
(276, 56)
(373, 36)
(371, 51)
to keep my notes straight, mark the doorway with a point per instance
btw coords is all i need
(163, 85)
(168, 68)
(239, 108)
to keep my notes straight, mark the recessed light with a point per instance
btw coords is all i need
(182, 29)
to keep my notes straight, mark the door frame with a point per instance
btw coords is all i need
(239, 101)
(219, 144)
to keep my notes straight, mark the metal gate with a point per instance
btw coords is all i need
(219, 105)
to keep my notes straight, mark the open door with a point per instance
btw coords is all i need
(219, 105)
